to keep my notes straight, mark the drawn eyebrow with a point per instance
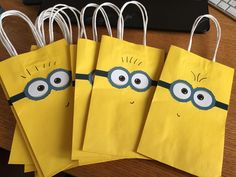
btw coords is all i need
(198, 76)
(36, 68)
(28, 72)
(131, 59)
(23, 77)
(202, 79)
(194, 75)
(140, 63)
(128, 59)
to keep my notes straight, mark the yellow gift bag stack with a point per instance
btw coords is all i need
(85, 66)
(123, 87)
(19, 153)
(186, 122)
(38, 86)
(96, 101)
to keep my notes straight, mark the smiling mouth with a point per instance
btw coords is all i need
(178, 115)
(131, 102)
(67, 105)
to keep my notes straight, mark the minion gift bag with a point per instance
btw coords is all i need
(38, 87)
(86, 64)
(122, 91)
(19, 153)
(185, 126)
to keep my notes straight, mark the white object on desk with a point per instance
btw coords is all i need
(226, 6)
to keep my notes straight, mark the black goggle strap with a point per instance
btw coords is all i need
(163, 84)
(101, 73)
(153, 83)
(16, 98)
(167, 86)
(221, 105)
(82, 76)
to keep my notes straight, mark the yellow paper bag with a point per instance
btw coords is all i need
(19, 152)
(85, 66)
(29, 168)
(86, 63)
(124, 84)
(33, 82)
(185, 126)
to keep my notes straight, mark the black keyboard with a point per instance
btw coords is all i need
(1, 10)
(32, 2)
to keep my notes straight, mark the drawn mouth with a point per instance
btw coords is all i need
(178, 115)
(67, 105)
(131, 102)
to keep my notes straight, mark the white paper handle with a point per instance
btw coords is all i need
(94, 21)
(218, 31)
(46, 14)
(83, 29)
(144, 17)
(3, 36)
(61, 10)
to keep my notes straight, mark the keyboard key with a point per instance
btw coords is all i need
(215, 1)
(226, 1)
(232, 3)
(232, 11)
(223, 5)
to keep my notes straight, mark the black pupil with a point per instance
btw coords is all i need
(57, 80)
(122, 78)
(40, 88)
(200, 97)
(184, 91)
(137, 81)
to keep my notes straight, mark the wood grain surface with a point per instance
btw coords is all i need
(203, 44)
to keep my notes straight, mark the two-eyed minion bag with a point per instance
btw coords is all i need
(38, 86)
(85, 66)
(123, 88)
(185, 126)
(19, 151)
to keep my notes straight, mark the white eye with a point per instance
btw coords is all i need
(37, 89)
(140, 81)
(181, 90)
(59, 79)
(119, 77)
(203, 98)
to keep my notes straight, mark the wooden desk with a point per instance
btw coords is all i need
(203, 45)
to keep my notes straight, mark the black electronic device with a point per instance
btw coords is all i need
(1, 10)
(170, 15)
(32, 2)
